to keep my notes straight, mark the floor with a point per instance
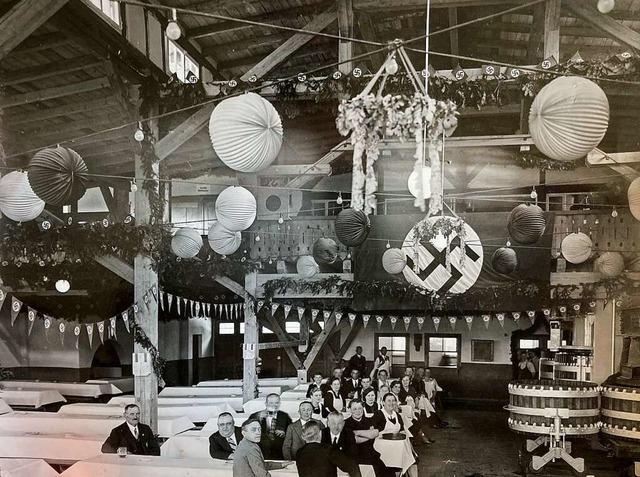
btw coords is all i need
(479, 444)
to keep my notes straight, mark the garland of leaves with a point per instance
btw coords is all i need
(533, 161)
(141, 338)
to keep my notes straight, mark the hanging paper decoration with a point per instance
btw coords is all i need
(365, 319)
(576, 247)
(393, 320)
(89, 327)
(532, 316)
(568, 118)
(62, 327)
(469, 320)
(307, 267)
(352, 227)
(112, 327)
(633, 195)
(526, 224)
(3, 296)
(504, 260)
(394, 260)
(325, 250)
(436, 322)
(17, 199)
(500, 317)
(101, 331)
(609, 264)
(58, 175)
(326, 314)
(76, 333)
(338, 317)
(486, 319)
(236, 208)
(125, 320)
(516, 315)
(47, 326)
(314, 315)
(186, 242)
(419, 184)
(379, 319)
(274, 308)
(300, 313)
(407, 322)
(246, 132)
(287, 309)
(223, 241)
(16, 306)
(420, 321)
(452, 321)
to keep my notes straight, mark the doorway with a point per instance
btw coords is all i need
(397, 350)
(196, 347)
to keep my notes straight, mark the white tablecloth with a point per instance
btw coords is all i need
(4, 407)
(66, 389)
(81, 424)
(395, 453)
(26, 468)
(288, 383)
(118, 385)
(194, 412)
(31, 397)
(202, 392)
(294, 396)
(52, 447)
(190, 444)
(234, 403)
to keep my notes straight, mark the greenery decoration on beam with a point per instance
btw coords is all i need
(141, 338)
(542, 163)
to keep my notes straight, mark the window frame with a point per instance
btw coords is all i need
(98, 9)
(427, 352)
(185, 55)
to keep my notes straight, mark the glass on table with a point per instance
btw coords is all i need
(122, 451)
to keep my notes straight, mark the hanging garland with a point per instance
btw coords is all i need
(141, 338)
(533, 161)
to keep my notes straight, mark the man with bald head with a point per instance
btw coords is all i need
(317, 459)
(293, 437)
(335, 434)
(223, 442)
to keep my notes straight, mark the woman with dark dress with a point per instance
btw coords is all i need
(370, 402)
(320, 411)
(333, 399)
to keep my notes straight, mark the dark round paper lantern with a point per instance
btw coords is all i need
(609, 264)
(325, 250)
(352, 227)
(186, 242)
(526, 224)
(58, 175)
(568, 118)
(504, 260)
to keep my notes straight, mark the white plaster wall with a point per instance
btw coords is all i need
(175, 338)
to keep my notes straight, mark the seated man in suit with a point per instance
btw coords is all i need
(316, 459)
(335, 434)
(352, 386)
(274, 425)
(248, 460)
(138, 438)
(223, 442)
(293, 437)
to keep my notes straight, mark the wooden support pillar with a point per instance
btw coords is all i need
(552, 29)
(345, 27)
(249, 374)
(453, 35)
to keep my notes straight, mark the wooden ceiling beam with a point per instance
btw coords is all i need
(23, 19)
(97, 151)
(552, 29)
(55, 92)
(183, 132)
(254, 42)
(36, 43)
(453, 35)
(345, 29)
(385, 5)
(47, 130)
(368, 32)
(22, 117)
(588, 12)
(25, 75)
(292, 45)
(319, 46)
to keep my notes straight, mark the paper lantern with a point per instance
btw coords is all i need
(576, 247)
(246, 132)
(352, 227)
(568, 118)
(58, 176)
(394, 261)
(186, 243)
(526, 224)
(17, 199)
(223, 241)
(413, 183)
(633, 194)
(307, 267)
(325, 250)
(504, 260)
(236, 208)
(609, 264)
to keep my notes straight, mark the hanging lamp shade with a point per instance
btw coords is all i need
(394, 260)
(236, 208)
(504, 260)
(413, 183)
(58, 175)
(352, 227)
(223, 241)
(186, 242)
(307, 266)
(246, 132)
(576, 247)
(325, 250)
(609, 264)
(17, 199)
(568, 118)
(633, 194)
(526, 224)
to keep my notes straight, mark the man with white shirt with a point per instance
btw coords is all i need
(293, 440)
(132, 434)
(335, 434)
(223, 442)
(352, 386)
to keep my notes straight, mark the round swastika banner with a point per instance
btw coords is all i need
(432, 271)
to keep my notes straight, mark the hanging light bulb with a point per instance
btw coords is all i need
(508, 243)
(614, 213)
(605, 6)
(388, 245)
(173, 30)
(534, 194)
(257, 238)
(134, 186)
(280, 219)
(391, 66)
(63, 286)
(139, 134)
(339, 199)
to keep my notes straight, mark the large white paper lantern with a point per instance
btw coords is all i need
(236, 208)
(609, 264)
(246, 132)
(17, 199)
(576, 247)
(307, 266)
(393, 261)
(223, 241)
(186, 242)
(633, 194)
(413, 183)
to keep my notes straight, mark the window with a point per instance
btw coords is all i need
(226, 328)
(292, 326)
(110, 8)
(444, 351)
(529, 344)
(482, 350)
(396, 350)
(241, 328)
(187, 70)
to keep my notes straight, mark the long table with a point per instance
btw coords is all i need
(202, 392)
(84, 390)
(31, 397)
(234, 402)
(118, 385)
(288, 383)
(57, 448)
(82, 424)
(4, 407)
(289, 406)
(195, 412)
(26, 468)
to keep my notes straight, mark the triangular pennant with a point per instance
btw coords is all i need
(112, 327)
(576, 58)
(469, 321)
(486, 319)
(228, 310)
(125, 320)
(407, 322)
(300, 313)
(576, 307)
(178, 303)
(3, 296)
(154, 293)
(338, 317)
(314, 315)
(379, 319)
(562, 310)
(393, 320)
(16, 306)
(208, 310)
(512, 73)
(31, 317)
(326, 314)
(62, 328)
(76, 333)
(274, 308)
(169, 300)
(500, 317)
(432, 71)
(547, 313)
(163, 295)
(420, 321)
(516, 315)
(47, 326)
(352, 319)
(287, 310)
(89, 327)
(365, 319)
(101, 331)
(197, 309)
(260, 305)
(145, 298)
(532, 316)
(436, 322)
(452, 321)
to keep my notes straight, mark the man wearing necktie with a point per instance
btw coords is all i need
(352, 386)
(335, 433)
(223, 442)
(274, 424)
(293, 440)
(132, 434)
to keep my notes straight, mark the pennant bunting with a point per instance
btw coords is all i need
(163, 296)
(562, 309)
(500, 317)
(3, 296)
(365, 319)
(407, 322)
(145, 298)
(47, 326)
(516, 315)
(547, 313)
(287, 309)
(491, 70)
(576, 307)
(469, 321)
(300, 313)
(16, 306)
(31, 317)
(532, 316)
(548, 63)
(62, 328)
(576, 58)
(512, 73)
(170, 299)
(452, 321)
(76, 333)
(154, 293)
(125, 319)
(436, 321)
(274, 308)
(338, 317)
(420, 321)
(89, 327)
(197, 309)
(101, 331)
(112, 327)
(314, 315)
(393, 320)
(352, 319)
(260, 305)
(326, 314)
(486, 319)
(379, 319)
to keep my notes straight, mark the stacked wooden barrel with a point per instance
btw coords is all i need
(621, 412)
(528, 400)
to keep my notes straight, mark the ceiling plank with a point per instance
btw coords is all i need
(253, 42)
(369, 33)
(320, 45)
(382, 5)
(48, 70)
(42, 42)
(23, 19)
(345, 28)
(293, 44)
(183, 132)
(588, 12)
(301, 179)
(453, 35)
(56, 92)
(552, 29)
(23, 117)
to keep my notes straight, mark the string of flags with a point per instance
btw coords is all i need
(486, 318)
(197, 308)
